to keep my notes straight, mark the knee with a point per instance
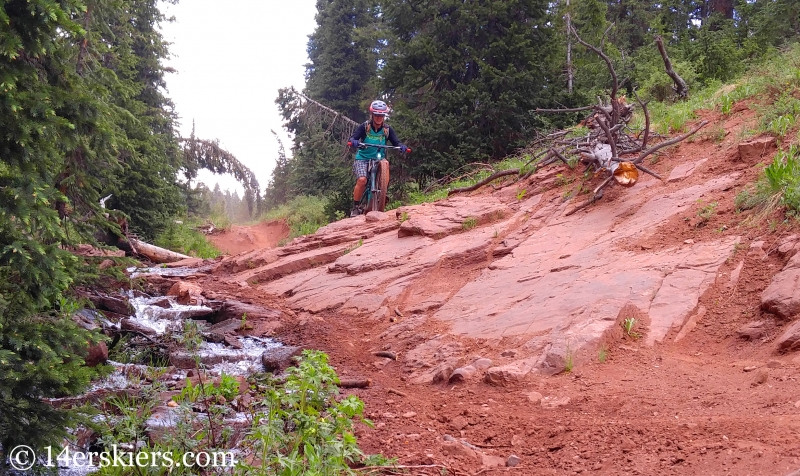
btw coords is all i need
(361, 181)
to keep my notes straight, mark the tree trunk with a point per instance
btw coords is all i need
(680, 85)
(155, 253)
(724, 7)
(569, 51)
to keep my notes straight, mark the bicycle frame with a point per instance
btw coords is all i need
(372, 172)
(372, 185)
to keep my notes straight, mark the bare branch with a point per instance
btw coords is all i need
(680, 85)
(614, 82)
(483, 182)
(648, 171)
(574, 109)
(669, 142)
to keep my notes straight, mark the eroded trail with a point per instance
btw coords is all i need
(508, 322)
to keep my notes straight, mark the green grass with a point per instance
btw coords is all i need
(469, 223)
(778, 185)
(775, 76)
(184, 238)
(303, 214)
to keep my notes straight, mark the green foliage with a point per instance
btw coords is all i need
(783, 177)
(779, 185)
(184, 238)
(706, 212)
(629, 326)
(469, 223)
(228, 388)
(304, 429)
(602, 354)
(355, 246)
(304, 214)
(467, 76)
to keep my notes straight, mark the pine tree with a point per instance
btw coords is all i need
(52, 120)
(466, 77)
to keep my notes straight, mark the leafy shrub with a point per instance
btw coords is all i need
(305, 430)
(181, 236)
(779, 185)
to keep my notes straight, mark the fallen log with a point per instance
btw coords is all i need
(155, 253)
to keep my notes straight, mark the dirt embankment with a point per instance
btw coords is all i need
(507, 321)
(242, 238)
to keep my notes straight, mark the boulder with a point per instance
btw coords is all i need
(757, 149)
(234, 310)
(509, 374)
(279, 359)
(752, 330)
(97, 354)
(782, 296)
(789, 341)
(462, 374)
(187, 293)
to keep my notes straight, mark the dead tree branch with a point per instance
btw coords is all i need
(496, 175)
(681, 89)
(614, 80)
(670, 142)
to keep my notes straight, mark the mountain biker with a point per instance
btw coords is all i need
(374, 131)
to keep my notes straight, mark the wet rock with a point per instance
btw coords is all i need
(755, 150)
(163, 303)
(782, 296)
(462, 374)
(113, 304)
(97, 354)
(234, 310)
(131, 325)
(789, 341)
(279, 358)
(187, 293)
(513, 461)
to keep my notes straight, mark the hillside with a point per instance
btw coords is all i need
(507, 319)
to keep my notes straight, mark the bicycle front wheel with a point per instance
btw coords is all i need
(377, 200)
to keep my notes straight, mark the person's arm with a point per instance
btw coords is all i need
(393, 137)
(359, 134)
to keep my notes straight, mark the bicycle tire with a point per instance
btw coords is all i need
(377, 200)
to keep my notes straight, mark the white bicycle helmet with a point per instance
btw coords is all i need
(378, 108)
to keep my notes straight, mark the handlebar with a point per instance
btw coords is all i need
(378, 146)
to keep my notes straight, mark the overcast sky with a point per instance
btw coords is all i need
(231, 58)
